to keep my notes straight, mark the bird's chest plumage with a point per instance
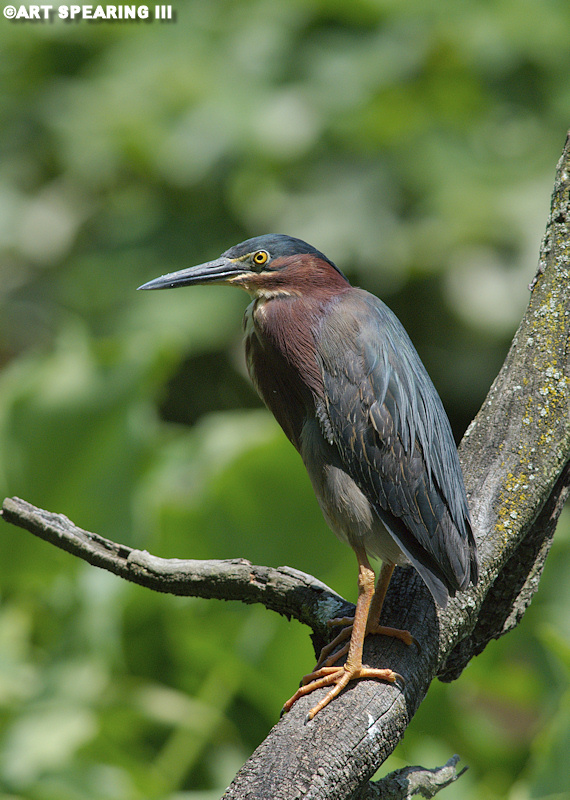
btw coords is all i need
(281, 360)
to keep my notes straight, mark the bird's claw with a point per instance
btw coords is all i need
(328, 657)
(404, 636)
(339, 678)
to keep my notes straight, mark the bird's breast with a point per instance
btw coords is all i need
(283, 328)
(281, 360)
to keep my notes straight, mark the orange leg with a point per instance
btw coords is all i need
(372, 626)
(339, 677)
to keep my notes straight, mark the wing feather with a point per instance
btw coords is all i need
(388, 423)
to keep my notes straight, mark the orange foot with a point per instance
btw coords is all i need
(327, 660)
(338, 677)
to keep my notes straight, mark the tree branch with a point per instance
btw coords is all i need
(405, 783)
(289, 591)
(515, 459)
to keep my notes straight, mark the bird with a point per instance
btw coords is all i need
(340, 374)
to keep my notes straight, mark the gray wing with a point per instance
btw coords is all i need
(387, 421)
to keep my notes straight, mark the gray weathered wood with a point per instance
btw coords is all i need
(289, 591)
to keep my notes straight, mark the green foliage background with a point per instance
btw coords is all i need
(415, 144)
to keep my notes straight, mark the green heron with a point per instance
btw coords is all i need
(344, 381)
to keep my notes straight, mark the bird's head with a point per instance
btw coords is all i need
(265, 266)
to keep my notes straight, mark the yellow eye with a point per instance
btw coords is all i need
(261, 257)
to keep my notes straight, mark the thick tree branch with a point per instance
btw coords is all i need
(515, 459)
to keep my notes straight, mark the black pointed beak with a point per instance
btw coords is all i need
(218, 271)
